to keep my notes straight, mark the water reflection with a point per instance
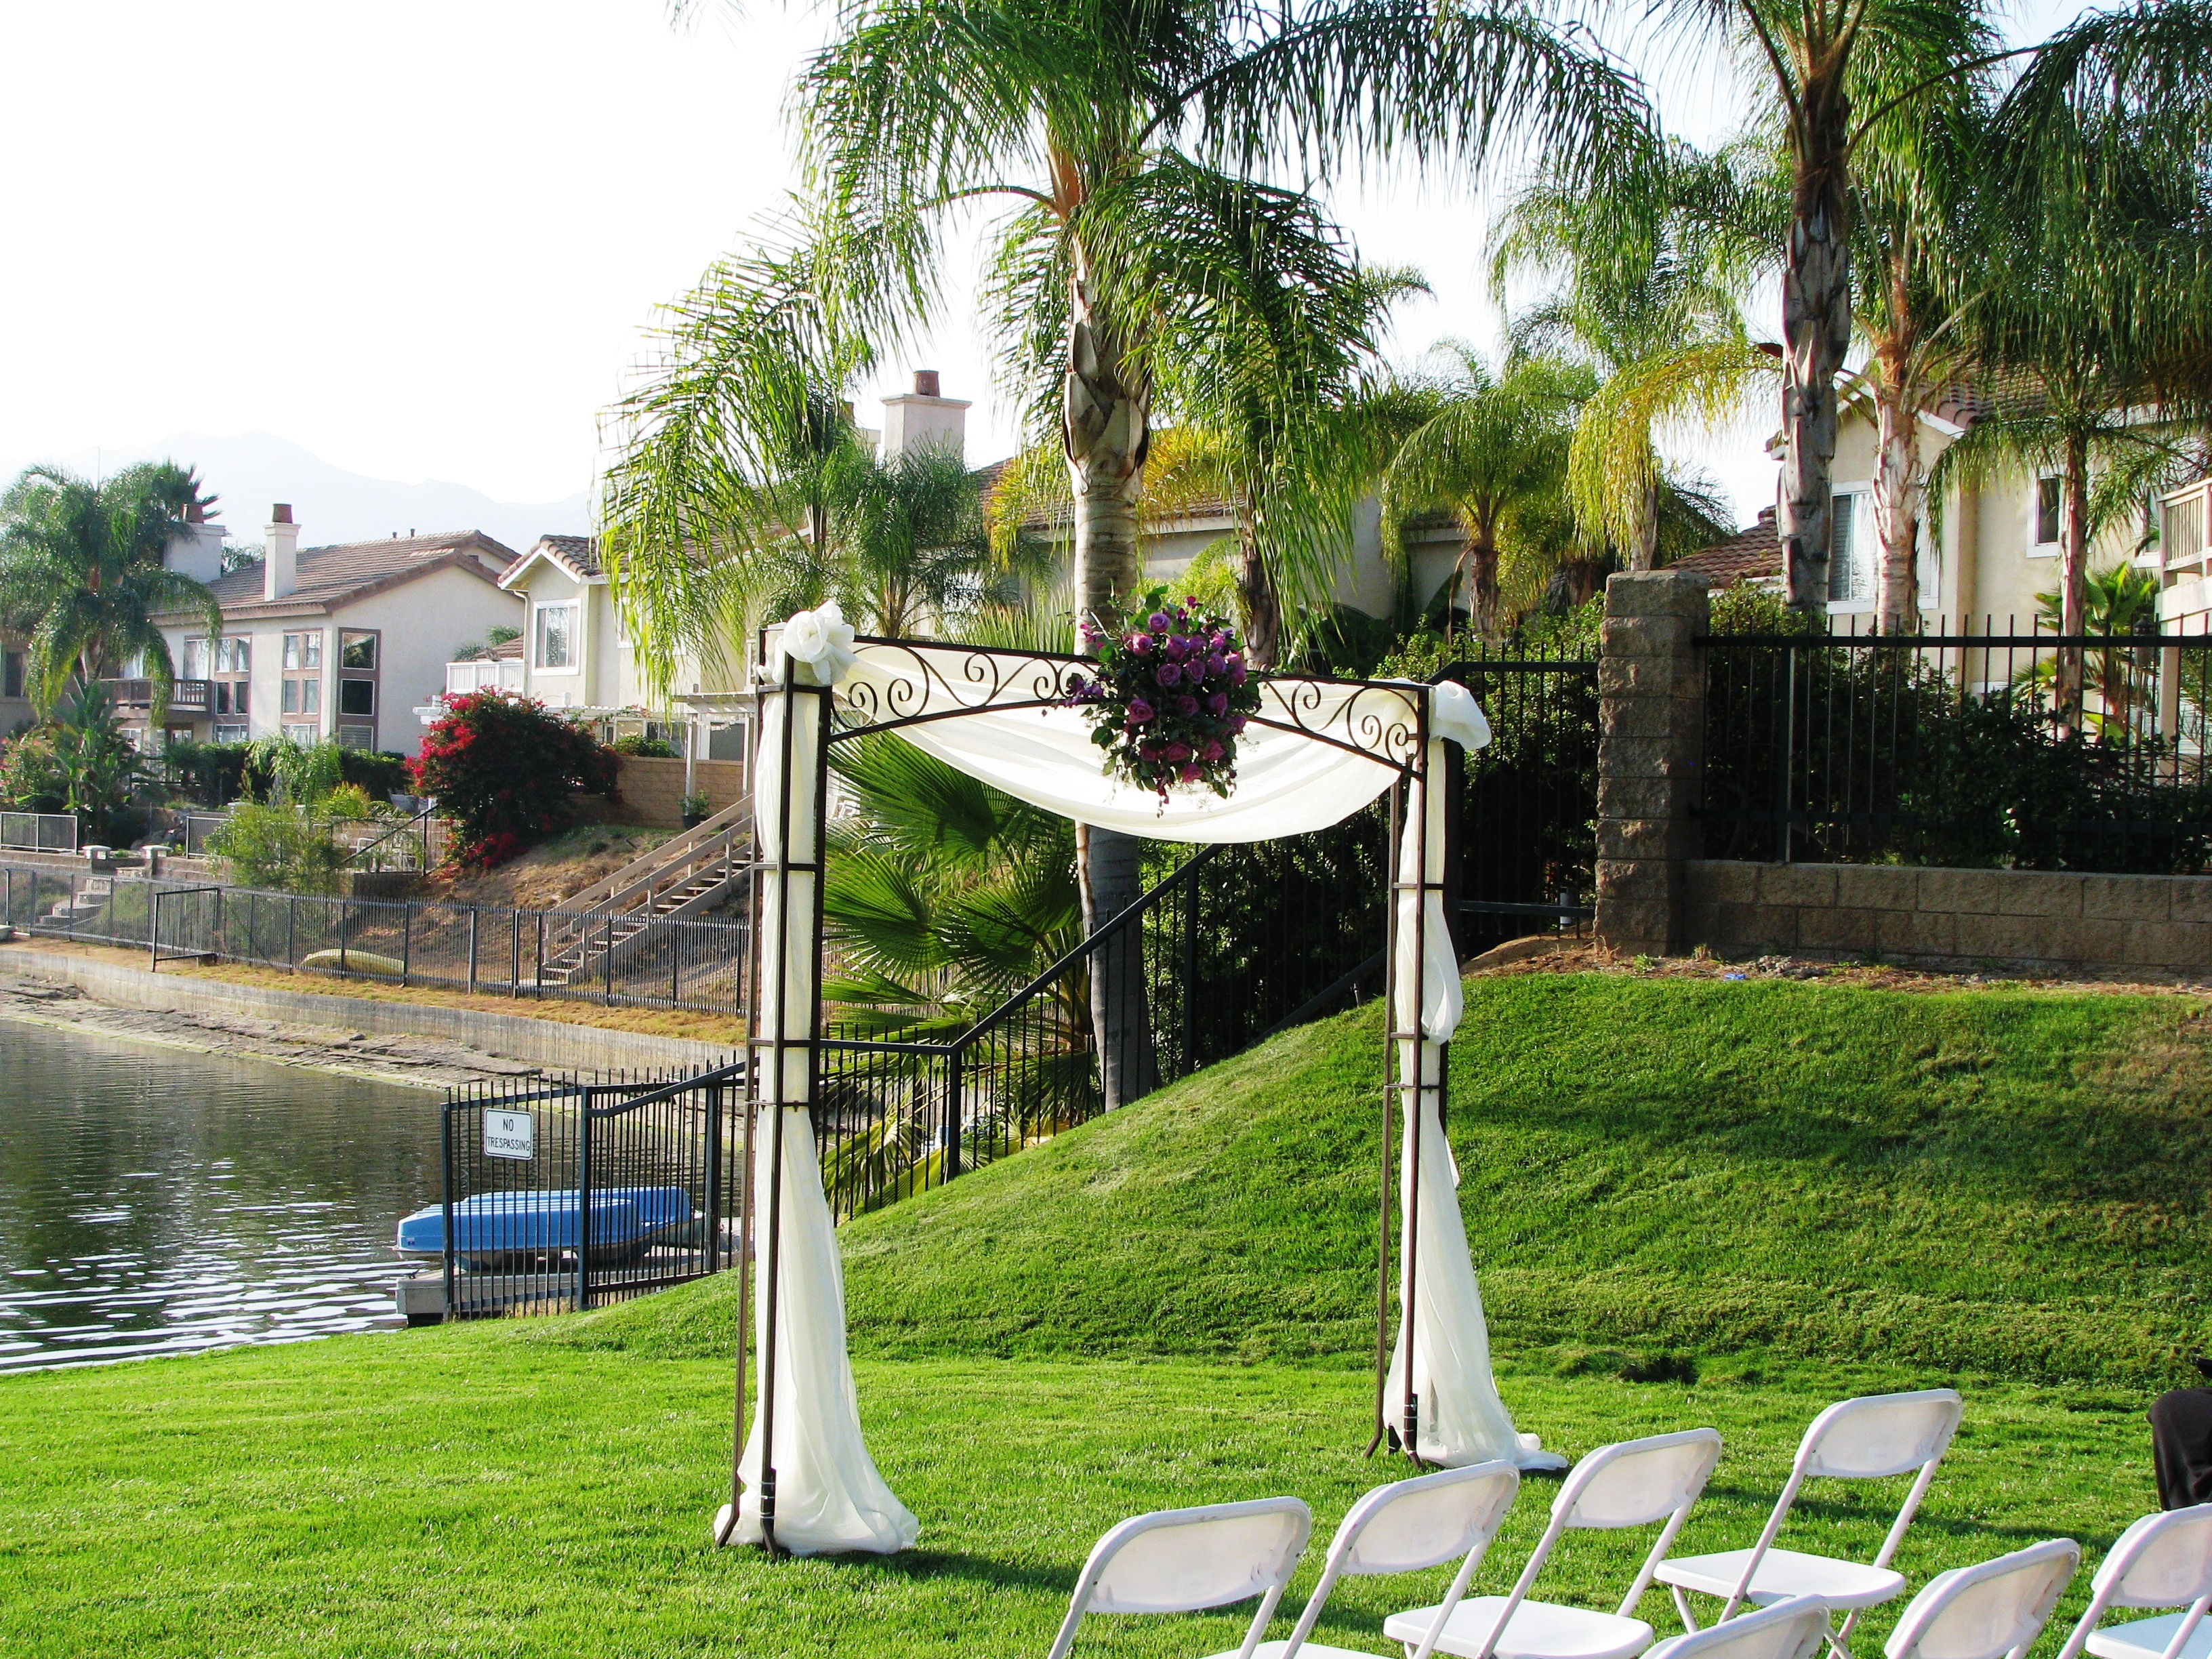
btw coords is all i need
(158, 1201)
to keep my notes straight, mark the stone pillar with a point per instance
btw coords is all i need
(1652, 745)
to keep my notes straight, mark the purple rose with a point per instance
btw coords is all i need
(1187, 774)
(1167, 674)
(1175, 752)
(1212, 751)
(1186, 706)
(1236, 671)
(1217, 704)
(1141, 644)
(1236, 725)
(1158, 622)
(1139, 711)
(1175, 649)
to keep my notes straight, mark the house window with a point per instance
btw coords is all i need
(556, 636)
(1850, 552)
(357, 650)
(228, 662)
(196, 659)
(306, 734)
(356, 737)
(224, 733)
(2046, 512)
(357, 697)
(11, 675)
(303, 674)
(302, 695)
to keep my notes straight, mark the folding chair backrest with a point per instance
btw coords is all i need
(1451, 1515)
(1189, 1560)
(2161, 1561)
(1425, 1521)
(1985, 1612)
(1794, 1629)
(1637, 1482)
(1881, 1435)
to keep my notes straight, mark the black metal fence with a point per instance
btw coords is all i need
(1950, 749)
(1527, 823)
(565, 1194)
(618, 960)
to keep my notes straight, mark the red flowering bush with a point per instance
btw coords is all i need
(506, 772)
(1171, 697)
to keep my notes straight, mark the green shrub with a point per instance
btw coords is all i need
(286, 848)
(644, 748)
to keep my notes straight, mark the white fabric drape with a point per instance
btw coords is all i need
(1462, 1420)
(1287, 782)
(829, 1496)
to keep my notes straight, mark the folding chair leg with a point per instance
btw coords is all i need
(1682, 1607)
(1839, 1640)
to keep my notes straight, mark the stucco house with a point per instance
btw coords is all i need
(319, 643)
(1995, 550)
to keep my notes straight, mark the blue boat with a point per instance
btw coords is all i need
(499, 1229)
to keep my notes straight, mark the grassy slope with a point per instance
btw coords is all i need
(2009, 1183)
(474, 1490)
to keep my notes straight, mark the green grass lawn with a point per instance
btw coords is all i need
(1810, 1191)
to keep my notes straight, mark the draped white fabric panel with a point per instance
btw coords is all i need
(829, 1496)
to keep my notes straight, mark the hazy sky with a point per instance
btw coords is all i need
(422, 238)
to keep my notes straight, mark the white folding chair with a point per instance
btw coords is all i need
(1789, 1630)
(1865, 1440)
(1987, 1612)
(1634, 1484)
(1407, 1527)
(2161, 1561)
(1189, 1560)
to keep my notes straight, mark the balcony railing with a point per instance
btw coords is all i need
(185, 697)
(2182, 535)
(483, 674)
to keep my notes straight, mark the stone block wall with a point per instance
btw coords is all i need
(653, 789)
(2015, 920)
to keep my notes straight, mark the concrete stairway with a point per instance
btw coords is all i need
(698, 870)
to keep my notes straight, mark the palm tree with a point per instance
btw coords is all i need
(1493, 448)
(82, 576)
(1652, 267)
(2096, 334)
(1125, 241)
(907, 544)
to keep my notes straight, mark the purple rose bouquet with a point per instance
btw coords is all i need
(1171, 697)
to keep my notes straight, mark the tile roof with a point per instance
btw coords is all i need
(578, 554)
(332, 575)
(1751, 555)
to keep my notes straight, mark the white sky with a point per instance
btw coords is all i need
(422, 239)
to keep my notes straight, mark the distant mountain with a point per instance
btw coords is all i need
(254, 469)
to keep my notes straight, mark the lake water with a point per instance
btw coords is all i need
(154, 1201)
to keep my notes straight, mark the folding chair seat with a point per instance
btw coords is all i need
(1789, 1630)
(1408, 1526)
(1864, 1439)
(1987, 1612)
(1190, 1561)
(2161, 1561)
(1637, 1483)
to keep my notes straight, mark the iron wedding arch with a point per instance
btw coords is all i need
(1377, 733)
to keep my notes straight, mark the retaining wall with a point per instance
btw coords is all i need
(550, 1044)
(653, 790)
(2020, 921)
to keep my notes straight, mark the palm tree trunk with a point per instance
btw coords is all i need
(1482, 587)
(1105, 429)
(1645, 555)
(1263, 609)
(1897, 504)
(2073, 570)
(1816, 332)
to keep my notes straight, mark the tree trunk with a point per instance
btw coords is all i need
(2073, 569)
(1482, 587)
(1897, 503)
(1816, 332)
(1645, 555)
(1105, 429)
(1263, 609)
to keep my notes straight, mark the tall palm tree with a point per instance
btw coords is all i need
(1493, 446)
(1130, 142)
(82, 576)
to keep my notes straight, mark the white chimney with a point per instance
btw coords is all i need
(279, 563)
(196, 549)
(922, 419)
